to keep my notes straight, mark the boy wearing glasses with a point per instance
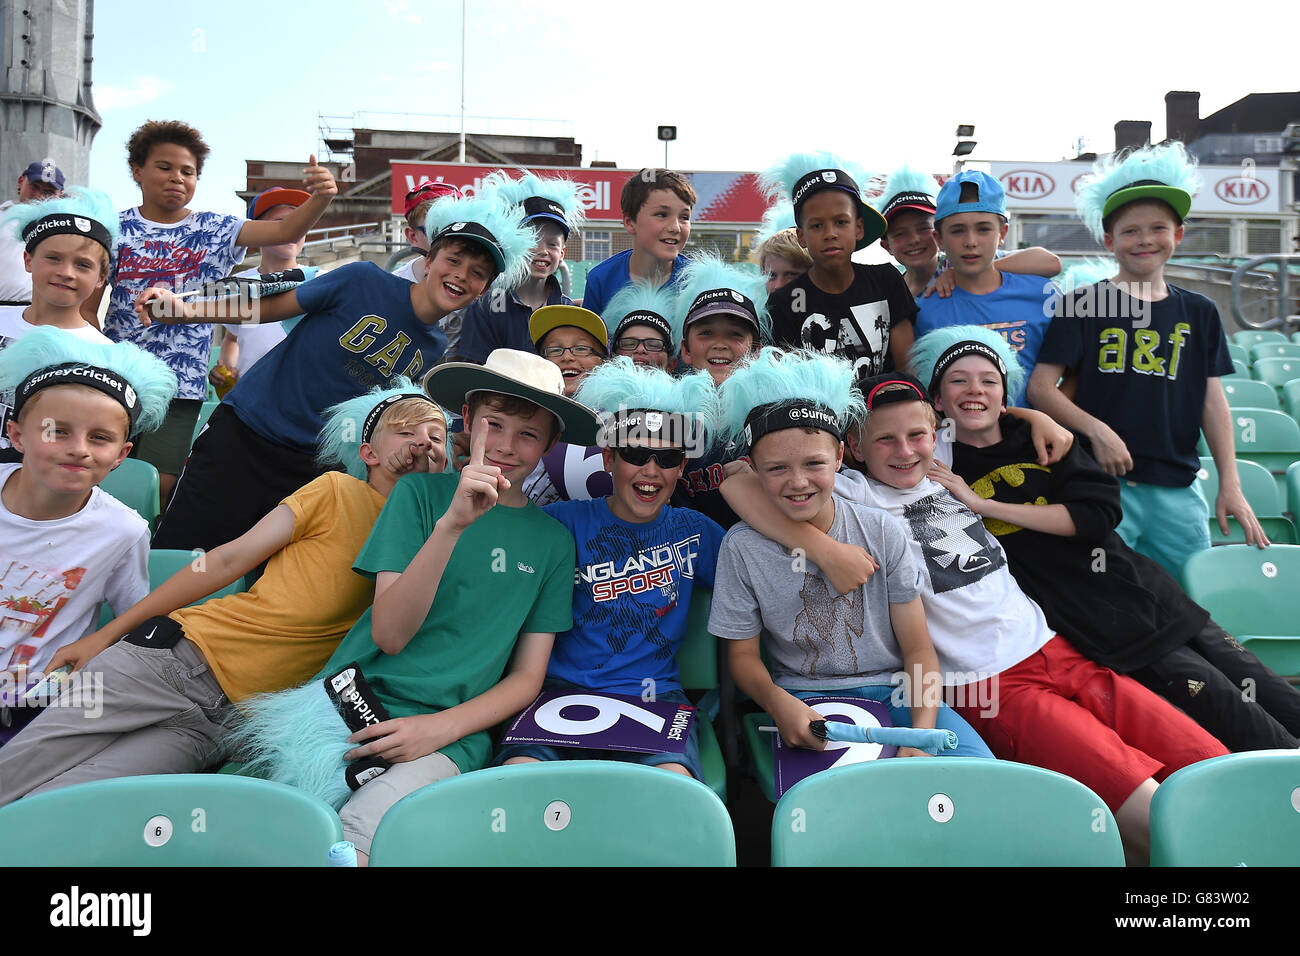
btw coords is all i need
(639, 316)
(637, 558)
(576, 340)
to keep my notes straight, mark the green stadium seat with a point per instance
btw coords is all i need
(1257, 485)
(1291, 398)
(1276, 371)
(1295, 337)
(1239, 370)
(1264, 350)
(1252, 595)
(1244, 394)
(1269, 438)
(170, 820)
(163, 563)
(1248, 337)
(209, 406)
(943, 811)
(1238, 353)
(1238, 810)
(697, 660)
(563, 813)
(135, 484)
(1293, 490)
(1278, 530)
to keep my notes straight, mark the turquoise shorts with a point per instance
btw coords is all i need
(1168, 525)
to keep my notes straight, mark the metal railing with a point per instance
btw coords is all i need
(1268, 287)
(331, 235)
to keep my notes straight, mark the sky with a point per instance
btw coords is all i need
(882, 84)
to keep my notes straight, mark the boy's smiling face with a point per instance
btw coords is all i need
(456, 275)
(573, 367)
(641, 491)
(516, 441)
(425, 442)
(910, 239)
(971, 395)
(1143, 236)
(717, 344)
(662, 225)
(971, 240)
(71, 437)
(65, 269)
(548, 253)
(830, 227)
(896, 444)
(168, 177)
(797, 468)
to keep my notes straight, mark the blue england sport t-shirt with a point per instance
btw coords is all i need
(358, 330)
(610, 275)
(1020, 311)
(631, 595)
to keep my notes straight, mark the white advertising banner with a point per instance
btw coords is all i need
(1225, 190)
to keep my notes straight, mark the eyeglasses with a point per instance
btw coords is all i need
(579, 351)
(666, 458)
(630, 344)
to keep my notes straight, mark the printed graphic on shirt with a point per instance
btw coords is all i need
(862, 335)
(30, 597)
(633, 587)
(1014, 476)
(1114, 354)
(957, 549)
(827, 623)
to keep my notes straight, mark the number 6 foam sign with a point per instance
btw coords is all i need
(792, 764)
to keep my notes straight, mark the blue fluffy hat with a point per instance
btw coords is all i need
(801, 175)
(350, 424)
(496, 225)
(1164, 172)
(552, 198)
(935, 351)
(708, 286)
(776, 382)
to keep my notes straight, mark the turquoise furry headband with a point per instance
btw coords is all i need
(798, 389)
(45, 356)
(1163, 172)
(640, 303)
(639, 402)
(775, 219)
(800, 176)
(490, 222)
(80, 212)
(708, 286)
(907, 188)
(935, 351)
(554, 198)
(351, 424)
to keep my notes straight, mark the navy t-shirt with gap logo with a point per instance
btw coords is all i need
(855, 324)
(358, 330)
(1143, 368)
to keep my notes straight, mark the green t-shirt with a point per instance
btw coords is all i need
(511, 572)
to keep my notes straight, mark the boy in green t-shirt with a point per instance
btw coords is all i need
(434, 646)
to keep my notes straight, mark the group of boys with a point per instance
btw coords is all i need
(911, 576)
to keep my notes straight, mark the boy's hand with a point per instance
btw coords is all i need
(738, 467)
(403, 738)
(792, 718)
(403, 460)
(941, 473)
(460, 450)
(318, 180)
(1051, 441)
(1110, 451)
(77, 654)
(479, 483)
(215, 374)
(160, 304)
(942, 286)
(1231, 501)
(848, 566)
(912, 752)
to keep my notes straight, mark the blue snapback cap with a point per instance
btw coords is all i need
(991, 196)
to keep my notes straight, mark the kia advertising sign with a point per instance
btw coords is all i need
(1049, 187)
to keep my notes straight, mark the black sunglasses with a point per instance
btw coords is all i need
(666, 458)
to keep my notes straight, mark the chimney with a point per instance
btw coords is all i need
(1182, 115)
(1132, 134)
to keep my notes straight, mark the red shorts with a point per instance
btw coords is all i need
(1058, 710)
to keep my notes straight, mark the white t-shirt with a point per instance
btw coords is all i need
(407, 269)
(54, 574)
(15, 280)
(12, 328)
(980, 622)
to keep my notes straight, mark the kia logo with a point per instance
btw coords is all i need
(1027, 184)
(1241, 190)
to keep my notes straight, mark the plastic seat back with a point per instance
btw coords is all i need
(135, 484)
(1249, 394)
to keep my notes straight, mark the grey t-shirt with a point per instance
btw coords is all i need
(817, 639)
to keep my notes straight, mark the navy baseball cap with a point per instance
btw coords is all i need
(990, 196)
(45, 172)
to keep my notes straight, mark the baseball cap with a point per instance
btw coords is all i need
(905, 200)
(427, 190)
(1179, 199)
(550, 317)
(276, 196)
(730, 302)
(539, 207)
(990, 196)
(45, 171)
(817, 180)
